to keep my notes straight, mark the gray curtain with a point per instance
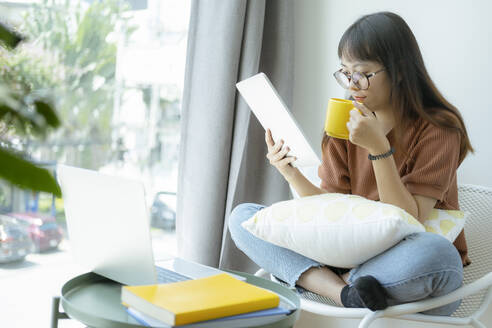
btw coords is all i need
(222, 151)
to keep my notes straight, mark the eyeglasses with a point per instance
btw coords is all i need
(360, 80)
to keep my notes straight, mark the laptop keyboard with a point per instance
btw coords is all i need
(168, 276)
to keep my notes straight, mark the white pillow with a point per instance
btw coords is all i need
(335, 229)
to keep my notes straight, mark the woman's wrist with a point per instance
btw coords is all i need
(381, 148)
(292, 175)
(301, 184)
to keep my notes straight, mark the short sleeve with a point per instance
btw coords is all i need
(433, 161)
(333, 171)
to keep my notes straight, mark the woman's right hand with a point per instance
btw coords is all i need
(277, 156)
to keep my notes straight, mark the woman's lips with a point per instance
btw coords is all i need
(359, 99)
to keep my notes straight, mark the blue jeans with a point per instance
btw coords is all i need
(422, 265)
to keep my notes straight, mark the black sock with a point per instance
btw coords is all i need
(350, 298)
(366, 292)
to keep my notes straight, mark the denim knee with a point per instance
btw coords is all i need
(281, 262)
(427, 285)
(445, 284)
(415, 255)
(241, 213)
(422, 265)
(436, 253)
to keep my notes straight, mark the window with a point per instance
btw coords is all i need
(116, 70)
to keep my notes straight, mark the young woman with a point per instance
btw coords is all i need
(421, 140)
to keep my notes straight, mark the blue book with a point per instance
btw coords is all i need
(262, 317)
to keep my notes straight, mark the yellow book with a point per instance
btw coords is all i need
(196, 300)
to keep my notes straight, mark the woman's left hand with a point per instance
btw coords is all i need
(366, 131)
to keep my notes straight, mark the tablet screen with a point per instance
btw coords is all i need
(271, 112)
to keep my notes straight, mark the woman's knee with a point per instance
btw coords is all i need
(431, 267)
(426, 285)
(444, 284)
(422, 253)
(241, 213)
(429, 254)
(447, 280)
(437, 253)
(415, 255)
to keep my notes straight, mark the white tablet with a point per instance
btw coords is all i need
(268, 107)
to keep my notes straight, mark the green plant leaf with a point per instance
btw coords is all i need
(25, 174)
(9, 38)
(48, 112)
(23, 120)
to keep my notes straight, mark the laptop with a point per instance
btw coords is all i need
(273, 114)
(109, 229)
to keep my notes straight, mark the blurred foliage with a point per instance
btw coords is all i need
(68, 63)
(4, 197)
(9, 38)
(23, 112)
(75, 46)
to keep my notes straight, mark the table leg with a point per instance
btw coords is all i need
(55, 312)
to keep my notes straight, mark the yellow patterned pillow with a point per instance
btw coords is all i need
(342, 230)
(447, 223)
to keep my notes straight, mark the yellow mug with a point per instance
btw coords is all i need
(337, 116)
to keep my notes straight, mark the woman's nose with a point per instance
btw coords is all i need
(352, 85)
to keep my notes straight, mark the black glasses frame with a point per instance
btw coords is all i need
(346, 85)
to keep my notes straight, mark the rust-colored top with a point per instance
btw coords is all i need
(426, 161)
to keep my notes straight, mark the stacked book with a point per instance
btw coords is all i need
(216, 301)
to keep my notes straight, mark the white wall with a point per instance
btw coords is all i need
(454, 37)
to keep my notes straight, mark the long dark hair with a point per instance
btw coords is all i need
(385, 37)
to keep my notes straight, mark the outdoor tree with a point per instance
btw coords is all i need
(75, 57)
(23, 113)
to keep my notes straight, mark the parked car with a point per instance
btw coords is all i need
(162, 213)
(15, 242)
(44, 231)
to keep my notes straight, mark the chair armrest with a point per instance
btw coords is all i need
(402, 309)
(460, 293)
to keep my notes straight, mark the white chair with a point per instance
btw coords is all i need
(476, 291)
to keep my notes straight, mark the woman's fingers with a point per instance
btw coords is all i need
(286, 161)
(352, 123)
(269, 139)
(275, 150)
(363, 109)
(278, 145)
(276, 154)
(355, 114)
(281, 154)
(273, 146)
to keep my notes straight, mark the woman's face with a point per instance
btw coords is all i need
(377, 96)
